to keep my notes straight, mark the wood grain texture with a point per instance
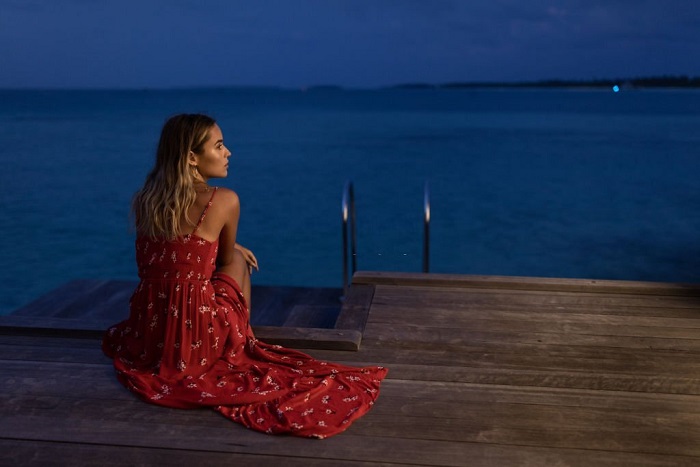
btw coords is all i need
(482, 371)
(291, 316)
(525, 283)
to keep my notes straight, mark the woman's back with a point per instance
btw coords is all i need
(186, 257)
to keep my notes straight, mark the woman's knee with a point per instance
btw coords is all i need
(238, 268)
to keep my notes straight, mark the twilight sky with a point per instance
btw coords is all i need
(355, 43)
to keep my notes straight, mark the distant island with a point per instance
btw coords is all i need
(622, 83)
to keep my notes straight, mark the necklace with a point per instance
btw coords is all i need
(202, 188)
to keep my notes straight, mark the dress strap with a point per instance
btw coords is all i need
(204, 212)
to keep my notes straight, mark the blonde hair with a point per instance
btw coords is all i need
(168, 192)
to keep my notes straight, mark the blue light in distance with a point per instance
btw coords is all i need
(616, 88)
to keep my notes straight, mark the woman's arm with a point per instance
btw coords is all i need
(229, 214)
(250, 258)
(227, 236)
(232, 259)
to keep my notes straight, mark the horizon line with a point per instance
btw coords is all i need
(654, 81)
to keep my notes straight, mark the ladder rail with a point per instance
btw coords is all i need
(348, 223)
(426, 227)
(350, 233)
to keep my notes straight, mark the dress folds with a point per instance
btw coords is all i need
(188, 343)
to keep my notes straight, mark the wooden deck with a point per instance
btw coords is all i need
(308, 317)
(484, 371)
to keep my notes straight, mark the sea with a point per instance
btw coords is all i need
(572, 183)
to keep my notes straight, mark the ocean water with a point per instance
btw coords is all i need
(555, 183)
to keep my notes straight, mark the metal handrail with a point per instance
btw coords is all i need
(426, 228)
(349, 230)
(348, 216)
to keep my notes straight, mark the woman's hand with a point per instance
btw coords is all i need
(250, 258)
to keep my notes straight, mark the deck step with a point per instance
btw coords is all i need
(310, 316)
(108, 301)
(302, 317)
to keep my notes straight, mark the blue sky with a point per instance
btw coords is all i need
(354, 43)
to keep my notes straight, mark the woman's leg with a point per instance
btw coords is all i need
(239, 271)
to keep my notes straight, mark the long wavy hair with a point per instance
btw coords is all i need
(168, 192)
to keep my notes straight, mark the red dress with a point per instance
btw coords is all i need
(188, 343)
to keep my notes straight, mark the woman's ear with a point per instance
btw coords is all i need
(192, 159)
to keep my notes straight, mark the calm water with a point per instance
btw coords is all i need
(559, 183)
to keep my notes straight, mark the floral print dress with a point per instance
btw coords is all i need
(188, 343)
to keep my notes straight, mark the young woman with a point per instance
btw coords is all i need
(187, 341)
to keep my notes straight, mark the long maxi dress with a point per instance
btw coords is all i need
(188, 343)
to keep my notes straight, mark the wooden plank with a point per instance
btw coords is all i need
(104, 299)
(49, 346)
(540, 427)
(385, 310)
(347, 447)
(428, 399)
(51, 326)
(356, 306)
(532, 321)
(437, 369)
(79, 309)
(558, 301)
(108, 301)
(221, 435)
(422, 394)
(306, 316)
(48, 453)
(425, 399)
(439, 334)
(571, 419)
(654, 368)
(553, 326)
(44, 454)
(79, 350)
(611, 345)
(31, 353)
(525, 283)
(528, 318)
(42, 348)
(273, 304)
(298, 337)
(56, 379)
(505, 424)
(309, 338)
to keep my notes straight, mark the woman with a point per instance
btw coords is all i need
(187, 341)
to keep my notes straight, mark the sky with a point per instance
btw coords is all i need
(351, 43)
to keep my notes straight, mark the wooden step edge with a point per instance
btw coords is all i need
(308, 338)
(526, 283)
(52, 327)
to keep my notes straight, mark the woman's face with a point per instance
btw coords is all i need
(212, 160)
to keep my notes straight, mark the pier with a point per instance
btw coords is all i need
(483, 371)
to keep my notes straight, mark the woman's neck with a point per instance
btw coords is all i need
(202, 187)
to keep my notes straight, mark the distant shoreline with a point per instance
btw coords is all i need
(622, 83)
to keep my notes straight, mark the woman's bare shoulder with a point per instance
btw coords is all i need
(226, 194)
(226, 198)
